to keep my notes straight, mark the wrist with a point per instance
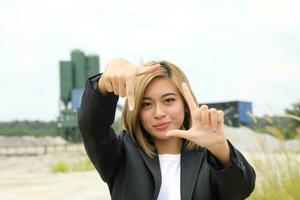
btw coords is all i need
(218, 147)
(221, 152)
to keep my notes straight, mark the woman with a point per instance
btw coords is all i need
(169, 148)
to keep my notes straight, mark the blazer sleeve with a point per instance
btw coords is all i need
(95, 118)
(237, 180)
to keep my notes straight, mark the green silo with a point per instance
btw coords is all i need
(73, 76)
(78, 60)
(66, 81)
(92, 65)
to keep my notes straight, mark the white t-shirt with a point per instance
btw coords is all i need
(170, 174)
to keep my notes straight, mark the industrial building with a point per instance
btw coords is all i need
(73, 76)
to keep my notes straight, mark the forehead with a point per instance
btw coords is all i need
(159, 86)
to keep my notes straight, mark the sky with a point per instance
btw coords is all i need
(229, 50)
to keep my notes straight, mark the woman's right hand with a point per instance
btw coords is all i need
(118, 78)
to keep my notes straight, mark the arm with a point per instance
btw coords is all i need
(97, 113)
(95, 118)
(221, 152)
(236, 180)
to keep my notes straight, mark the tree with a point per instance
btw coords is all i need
(281, 126)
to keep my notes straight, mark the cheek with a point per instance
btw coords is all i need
(144, 117)
(178, 114)
(181, 118)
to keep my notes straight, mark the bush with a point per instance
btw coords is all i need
(81, 165)
(60, 166)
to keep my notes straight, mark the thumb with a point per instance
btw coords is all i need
(146, 70)
(177, 133)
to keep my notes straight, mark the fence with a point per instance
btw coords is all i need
(40, 149)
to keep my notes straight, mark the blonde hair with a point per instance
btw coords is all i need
(130, 119)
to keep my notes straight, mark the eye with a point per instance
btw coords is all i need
(169, 100)
(146, 105)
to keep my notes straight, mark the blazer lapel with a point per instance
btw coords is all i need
(190, 165)
(154, 167)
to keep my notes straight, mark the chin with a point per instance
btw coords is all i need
(161, 135)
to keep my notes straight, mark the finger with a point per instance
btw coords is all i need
(213, 116)
(108, 85)
(204, 114)
(197, 117)
(115, 88)
(122, 89)
(189, 97)
(177, 133)
(146, 70)
(220, 116)
(130, 93)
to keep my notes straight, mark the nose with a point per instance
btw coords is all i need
(158, 112)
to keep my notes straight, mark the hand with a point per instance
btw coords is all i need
(207, 129)
(119, 78)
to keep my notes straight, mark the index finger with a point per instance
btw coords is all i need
(130, 94)
(145, 70)
(189, 97)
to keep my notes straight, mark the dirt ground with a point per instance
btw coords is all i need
(30, 178)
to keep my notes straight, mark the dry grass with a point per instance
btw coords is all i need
(278, 174)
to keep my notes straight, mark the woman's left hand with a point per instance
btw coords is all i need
(207, 129)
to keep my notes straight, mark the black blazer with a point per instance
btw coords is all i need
(132, 175)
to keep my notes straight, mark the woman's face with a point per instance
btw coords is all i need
(162, 108)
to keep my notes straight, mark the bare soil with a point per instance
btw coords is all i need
(30, 178)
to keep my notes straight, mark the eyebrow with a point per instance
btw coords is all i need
(167, 94)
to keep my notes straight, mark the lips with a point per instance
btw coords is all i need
(161, 125)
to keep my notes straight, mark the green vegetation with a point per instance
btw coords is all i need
(60, 166)
(30, 128)
(83, 165)
(63, 167)
(286, 189)
(286, 124)
(38, 128)
(278, 174)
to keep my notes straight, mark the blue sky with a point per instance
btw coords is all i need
(230, 50)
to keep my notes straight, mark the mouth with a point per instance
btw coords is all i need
(161, 126)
